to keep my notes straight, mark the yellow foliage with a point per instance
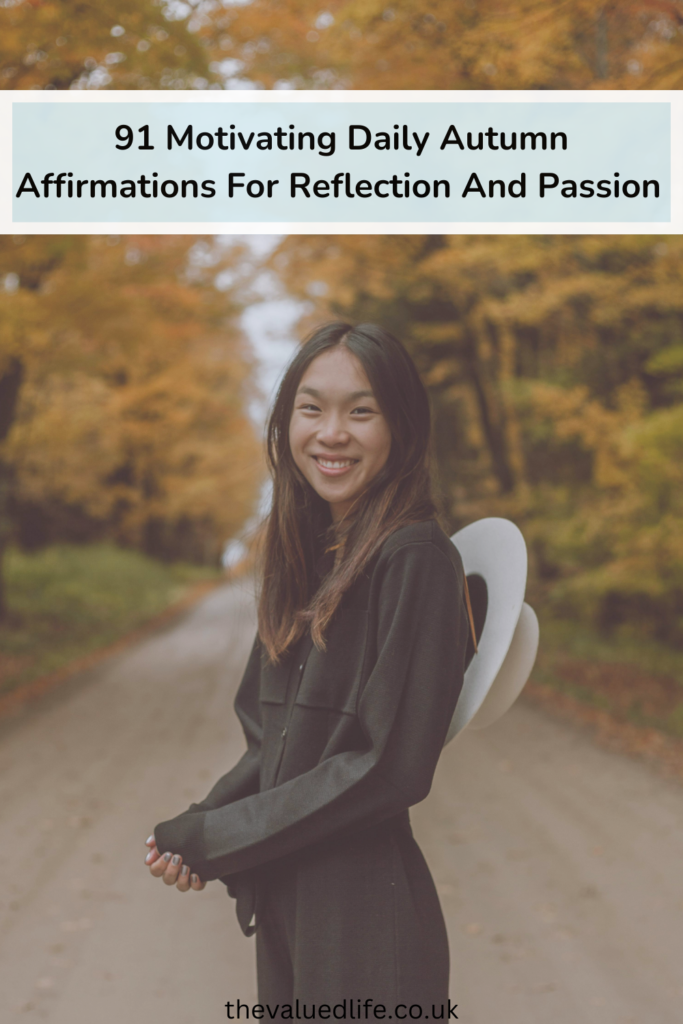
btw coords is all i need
(57, 44)
(133, 407)
(487, 44)
(556, 376)
(357, 44)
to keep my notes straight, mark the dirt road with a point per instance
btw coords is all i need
(559, 865)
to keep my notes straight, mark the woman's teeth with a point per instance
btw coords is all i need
(336, 463)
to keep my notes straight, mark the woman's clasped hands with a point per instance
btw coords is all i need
(170, 867)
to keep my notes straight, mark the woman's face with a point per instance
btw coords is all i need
(338, 436)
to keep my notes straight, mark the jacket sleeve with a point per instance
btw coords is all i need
(404, 712)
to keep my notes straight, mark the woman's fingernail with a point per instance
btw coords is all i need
(148, 857)
(167, 857)
(184, 869)
(150, 838)
(176, 860)
(195, 878)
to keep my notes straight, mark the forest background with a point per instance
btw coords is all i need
(554, 364)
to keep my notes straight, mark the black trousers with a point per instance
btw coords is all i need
(354, 919)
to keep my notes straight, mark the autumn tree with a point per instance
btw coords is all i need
(487, 44)
(139, 44)
(130, 382)
(356, 44)
(555, 368)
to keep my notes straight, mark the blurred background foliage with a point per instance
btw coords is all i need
(554, 364)
(351, 44)
(458, 44)
(68, 600)
(66, 44)
(124, 385)
(555, 367)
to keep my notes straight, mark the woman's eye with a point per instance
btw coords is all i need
(309, 406)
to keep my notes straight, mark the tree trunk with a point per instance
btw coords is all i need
(601, 45)
(492, 417)
(10, 385)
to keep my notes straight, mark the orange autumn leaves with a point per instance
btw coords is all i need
(57, 44)
(353, 44)
(555, 370)
(468, 44)
(131, 421)
(554, 365)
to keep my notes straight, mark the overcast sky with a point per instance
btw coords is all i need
(270, 325)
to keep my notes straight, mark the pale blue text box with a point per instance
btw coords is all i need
(631, 139)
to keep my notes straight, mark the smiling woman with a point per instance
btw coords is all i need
(350, 686)
(338, 444)
(368, 404)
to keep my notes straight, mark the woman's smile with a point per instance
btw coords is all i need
(342, 733)
(333, 466)
(335, 413)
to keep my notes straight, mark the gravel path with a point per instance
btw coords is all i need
(559, 864)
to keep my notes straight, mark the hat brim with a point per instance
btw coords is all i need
(493, 549)
(514, 672)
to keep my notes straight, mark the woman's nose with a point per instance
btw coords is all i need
(332, 431)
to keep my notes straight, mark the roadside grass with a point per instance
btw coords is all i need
(636, 680)
(68, 600)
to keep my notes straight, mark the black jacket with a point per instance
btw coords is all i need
(339, 740)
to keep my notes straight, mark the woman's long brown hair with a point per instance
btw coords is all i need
(299, 527)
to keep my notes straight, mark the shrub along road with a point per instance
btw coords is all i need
(557, 862)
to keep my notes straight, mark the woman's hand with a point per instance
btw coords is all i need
(171, 869)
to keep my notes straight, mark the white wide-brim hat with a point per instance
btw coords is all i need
(494, 557)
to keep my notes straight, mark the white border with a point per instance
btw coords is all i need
(674, 226)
